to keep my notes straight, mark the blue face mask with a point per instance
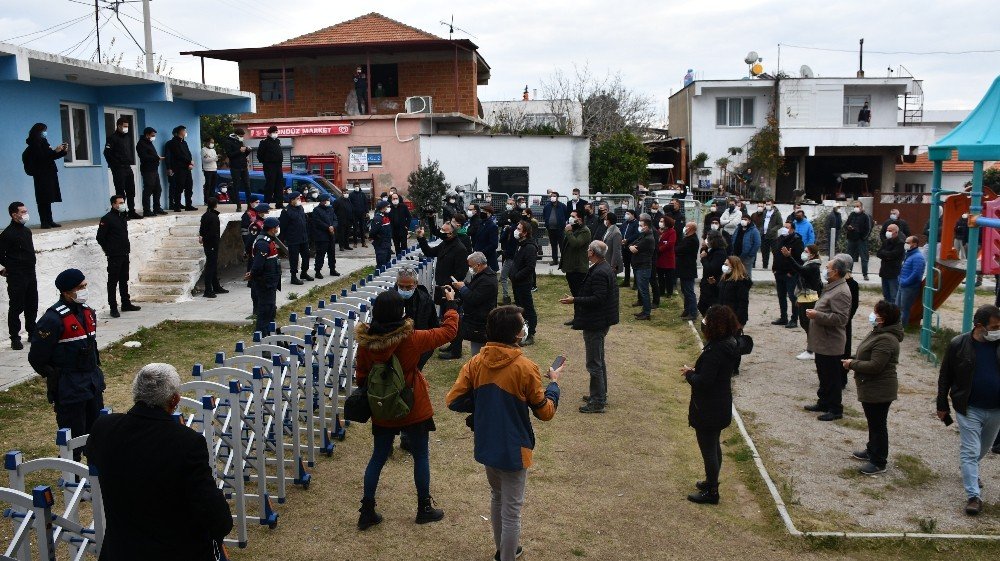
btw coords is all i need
(45, 134)
(406, 294)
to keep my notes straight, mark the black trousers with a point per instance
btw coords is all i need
(295, 252)
(665, 280)
(241, 183)
(575, 282)
(399, 240)
(124, 182)
(766, 247)
(360, 230)
(22, 293)
(627, 263)
(45, 213)
(79, 417)
(274, 183)
(830, 373)
(327, 251)
(523, 298)
(344, 234)
(208, 188)
(555, 240)
(266, 306)
(211, 275)
(877, 415)
(654, 286)
(118, 279)
(711, 453)
(151, 192)
(183, 184)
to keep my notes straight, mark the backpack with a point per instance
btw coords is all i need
(388, 395)
(26, 161)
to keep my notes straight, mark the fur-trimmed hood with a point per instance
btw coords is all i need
(385, 341)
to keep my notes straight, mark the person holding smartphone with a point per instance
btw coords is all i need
(499, 387)
(39, 160)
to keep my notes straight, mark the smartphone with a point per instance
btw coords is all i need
(558, 362)
(948, 420)
(452, 279)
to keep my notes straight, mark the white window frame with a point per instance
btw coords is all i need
(369, 150)
(851, 110)
(70, 107)
(744, 115)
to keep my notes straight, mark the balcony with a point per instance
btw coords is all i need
(813, 137)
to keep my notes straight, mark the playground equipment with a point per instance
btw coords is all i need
(976, 139)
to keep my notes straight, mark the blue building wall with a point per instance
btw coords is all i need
(85, 189)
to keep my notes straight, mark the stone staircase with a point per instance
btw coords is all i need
(175, 267)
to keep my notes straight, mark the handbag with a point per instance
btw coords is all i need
(807, 297)
(356, 407)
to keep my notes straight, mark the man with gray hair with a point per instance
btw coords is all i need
(479, 297)
(155, 473)
(828, 336)
(595, 310)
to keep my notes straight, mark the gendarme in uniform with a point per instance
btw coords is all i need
(265, 275)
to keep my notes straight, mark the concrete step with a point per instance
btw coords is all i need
(174, 253)
(187, 230)
(185, 265)
(168, 277)
(165, 289)
(153, 297)
(180, 241)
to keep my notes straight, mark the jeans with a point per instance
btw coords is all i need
(859, 248)
(593, 343)
(878, 432)
(118, 279)
(905, 298)
(508, 263)
(690, 301)
(555, 238)
(22, 293)
(711, 453)
(506, 500)
(642, 279)
(977, 429)
(748, 265)
(522, 297)
(831, 386)
(890, 287)
(785, 286)
(417, 438)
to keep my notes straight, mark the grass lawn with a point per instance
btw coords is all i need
(608, 486)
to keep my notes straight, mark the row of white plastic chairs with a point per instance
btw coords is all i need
(266, 411)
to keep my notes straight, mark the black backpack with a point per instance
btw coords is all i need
(26, 160)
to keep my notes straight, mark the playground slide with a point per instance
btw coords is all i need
(950, 278)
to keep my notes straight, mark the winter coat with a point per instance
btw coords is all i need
(834, 222)
(596, 305)
(149, 159)
(643, 259)
(769, 231)
(730, 220)
(499, 386)
(237, 159)
(711, 267)
(294, 226)
(523, 269)
(707, 222)
(781, 264)
(178, 154)
(736, 295)
(487, 238)
(323, 217)
(359, 203)
(810, 277)
(804, 228)
(561, 214)
(209, 159)
(913, 269)
(112, 234)
(574, 251)
(961, 230)
(711, 404)
(17, 250)
(400, 217)
(380, 232)
(613, 239)
(406, 344)
(828, 328)
(478, 297)
(420, 308)
(452, 261)
(209, 229)
(687, 257)
(891, 253)
(344, 209)
(666, 256)
(747, 245)
(41, 160)
(957, 370)
(904, 228)
(269, 151)
(508, 243)
(118, 151)
(858, 226)
(875, 365)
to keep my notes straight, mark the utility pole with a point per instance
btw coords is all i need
(861, 58)
(97, 26)
(147, 28)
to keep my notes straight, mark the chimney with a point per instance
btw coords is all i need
(525, 96)
(534, 93)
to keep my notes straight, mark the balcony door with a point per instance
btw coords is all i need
(111, 116)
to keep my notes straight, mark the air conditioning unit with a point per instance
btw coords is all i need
(419, 104)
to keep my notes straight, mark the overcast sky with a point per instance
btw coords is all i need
(652, 43)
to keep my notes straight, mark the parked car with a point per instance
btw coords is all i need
(310, 187)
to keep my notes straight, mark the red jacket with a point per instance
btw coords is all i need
(407, 344)
(665, 256)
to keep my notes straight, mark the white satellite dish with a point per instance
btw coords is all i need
(752, 57)
(806, 72)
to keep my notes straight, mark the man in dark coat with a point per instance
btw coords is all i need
(237, 154)
(555, 214)
(64, 352)
(595, 310)
(577, 203)
(345, 219)
(40, 163)
(487, 237)
(179, 165)
(642, 250)
(891, 253)
(858, 226)
(265, 275)
(479, 297)
(786, 276)
(522, 277)
(380, 232)
(17, 265)
(324, 224)
(112, 235)
(687, 268)
(295, 236)
(360, 206)
(210, 235)
(149, 170)
(147, 444)
(119, 153)
(399, 215)
(270, 155)
(452, 265)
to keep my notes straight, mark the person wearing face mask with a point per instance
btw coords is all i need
(64, 352)
(904, 228)
(265, 275)
(804, 227)
(910, 278)
(630, 233)
(891, 254)
(574, 258)
(149, 169)
(858, 226)
(578, 203)
(729, 220)
(835, 226)
(828, 337)
(473, 220)
(713, 256)
(808, 290)
(478, 298)
(17, 265)
(785, 274)
(970, 378)
(746, 244)
(451, 207)
(344, 211)
(712, 215)
(112, 235)
(324, 236)
(119, 153)
(451, 257)
(399, 215)
(359, 205)
(613, 239)
(768, 222)
(179, 165)
(39, 161)
(642, 250)
(487, 237)
(875, 376)
(734, 288)
(210, 168)
(237, 153)
(961, 232)
(147, 442)
(270, 155)
(522, 278)
(597, 225)
(295, 236)
(555, 214)
(655, 214)
(687, 269)
(418, 303)
(675, 211)
(666, 257)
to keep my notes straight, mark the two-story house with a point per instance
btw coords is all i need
(820, 137)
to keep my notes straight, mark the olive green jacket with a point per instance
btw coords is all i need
(875, 365)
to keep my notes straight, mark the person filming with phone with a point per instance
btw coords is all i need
(39, 160)
(499, 386)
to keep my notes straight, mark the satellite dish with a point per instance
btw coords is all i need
(806, 72)
(752, 57)
(757, 69)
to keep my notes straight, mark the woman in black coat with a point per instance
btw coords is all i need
(809, 289)
(40, 161)
(712, 258)
(711, 405)
(734, 288)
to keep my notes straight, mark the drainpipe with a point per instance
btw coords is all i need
(457, 106)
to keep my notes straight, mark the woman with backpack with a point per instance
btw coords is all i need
(387, 343)
(39, 160)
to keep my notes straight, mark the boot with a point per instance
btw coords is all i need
(426, 511)
(318, 275)
(708, 496)
(305, 276)
(368, 516)
(295, 280)
(114, 311)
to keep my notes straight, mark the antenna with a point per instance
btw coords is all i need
(452, 29)
(752, 59)
(806, 72)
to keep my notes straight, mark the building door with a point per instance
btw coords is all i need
(111, 116)
(508, 180)
(787, 180)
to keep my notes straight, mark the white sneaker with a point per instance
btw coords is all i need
(806, 355)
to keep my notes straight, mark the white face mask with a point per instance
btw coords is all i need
(745, 223)
(81, 296)
(825, 273)
(715, 226)
(576, 198)
(768, 207)
(124, 130)
(517, 234)
(663, 225)
(726, 269)
(510, 207)
(992, 336)
(523, 205)
(888, 235)
(857, 209)
(23, 218)
(553, 199)
(117, 208)
(240, 138)
(152, 139)
(783, 231)
(893, 216)
(713, 208)
(273, 135)
(873, 319)
(224, 189)
(805, 256)
(395, 202)
(211, 145)
(470, 213)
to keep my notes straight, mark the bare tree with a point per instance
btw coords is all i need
(609, 106)
(508, 118)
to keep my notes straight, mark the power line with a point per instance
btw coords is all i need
(193, 42)
(915, 53)
(67, 23)
(178, 35)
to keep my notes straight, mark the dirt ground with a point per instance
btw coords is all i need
(810, 459)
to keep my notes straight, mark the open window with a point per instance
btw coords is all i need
(75, 122)
(277, 85)
(384, 80)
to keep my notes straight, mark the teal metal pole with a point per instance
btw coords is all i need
(973, 259)
(932, 255)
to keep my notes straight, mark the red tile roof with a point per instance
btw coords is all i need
(923, 164)
(369, 28)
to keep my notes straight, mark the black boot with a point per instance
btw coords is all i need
(368, 517)
(426, 511)
(710, 495)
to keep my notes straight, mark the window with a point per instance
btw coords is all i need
(374, 154)
(507, 180)
(75, 120)
(275, 85)
(915, 188)
(853, 105)
(734, 111)
(384, 80)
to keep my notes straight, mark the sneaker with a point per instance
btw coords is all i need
(517, 554)
(586, 398)
(806, 355)
(830, 417)
(974, 506)
(866, 277)
(871, 469)
(592, 407)
(781, 321)
(861, 455)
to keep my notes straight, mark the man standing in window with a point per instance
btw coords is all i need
(865, 116)
(270, 156)
(361, 90)
(120, 156)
